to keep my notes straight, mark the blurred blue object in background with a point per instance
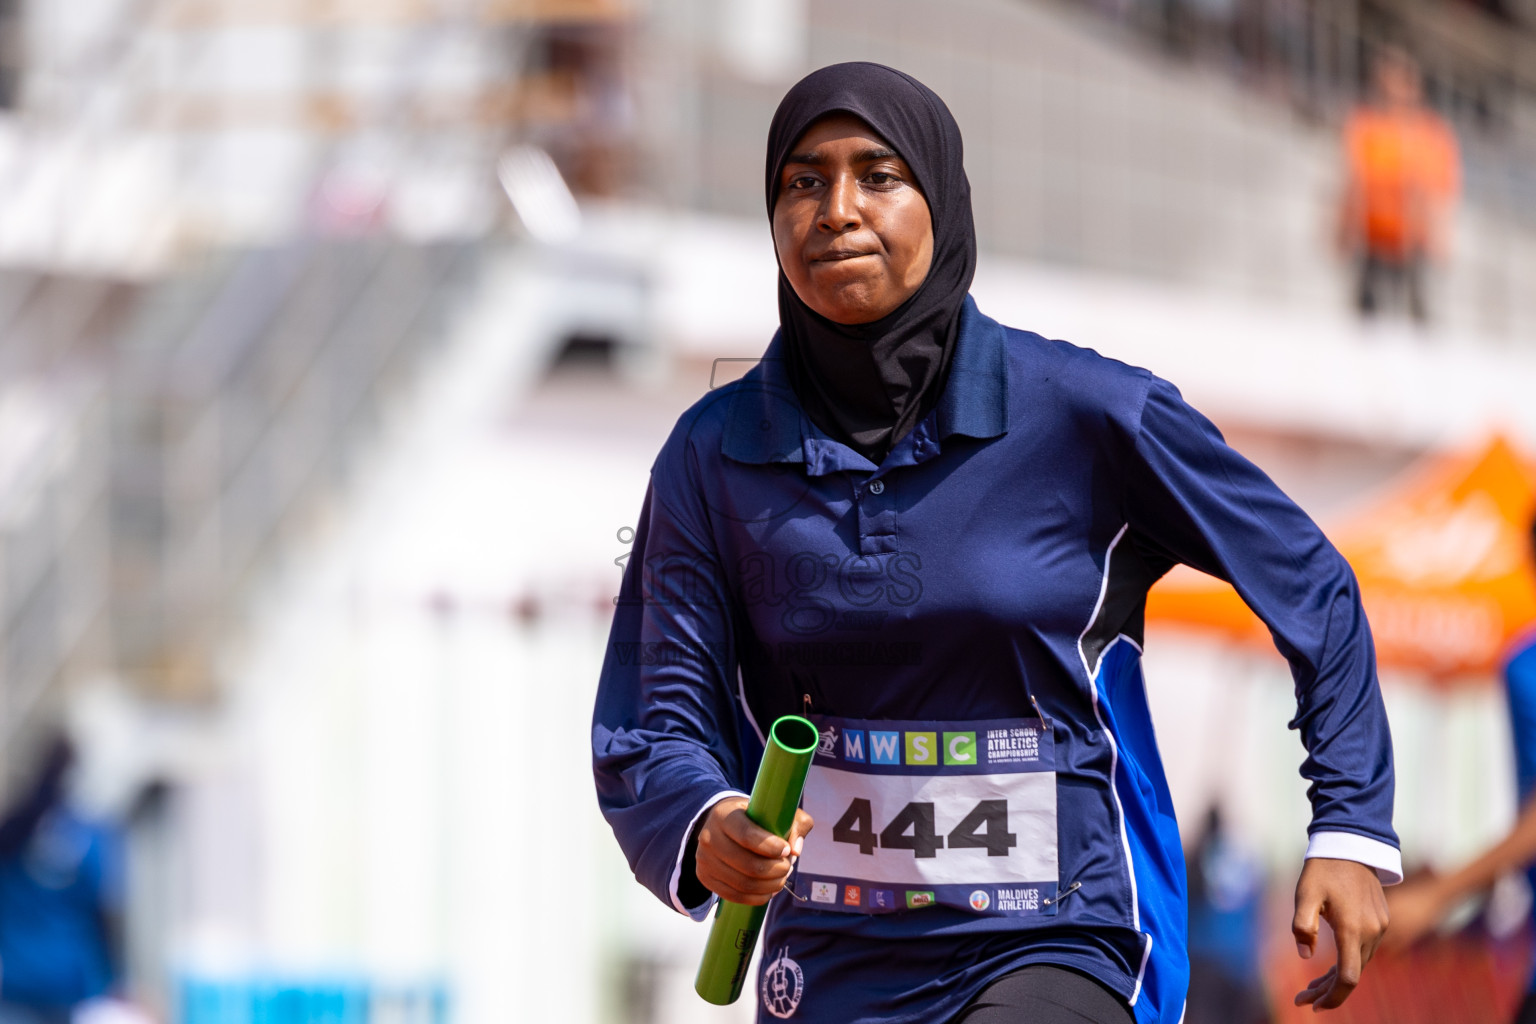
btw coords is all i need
(274, 999)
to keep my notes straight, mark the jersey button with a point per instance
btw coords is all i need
(877, 487)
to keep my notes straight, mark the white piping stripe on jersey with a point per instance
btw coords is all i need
(1098, 606)
(1141, 972)
(1114, 755)
(741, 694)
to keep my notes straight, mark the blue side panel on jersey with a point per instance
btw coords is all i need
(1157, 856)
(1520, 688)
(1520, 679)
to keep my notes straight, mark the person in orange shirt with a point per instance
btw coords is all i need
(1404, 173)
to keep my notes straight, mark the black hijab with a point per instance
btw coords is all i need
(867, 385)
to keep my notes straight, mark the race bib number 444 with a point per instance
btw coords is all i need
(918, 814)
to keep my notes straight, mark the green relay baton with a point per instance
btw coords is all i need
(775, 795)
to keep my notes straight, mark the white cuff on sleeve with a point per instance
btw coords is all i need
(700, 912)
(1373, 853)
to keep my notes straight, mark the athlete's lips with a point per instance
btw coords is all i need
(838, 255)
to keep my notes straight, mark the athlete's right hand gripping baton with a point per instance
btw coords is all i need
(775, 796)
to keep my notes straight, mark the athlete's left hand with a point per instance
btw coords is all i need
(1348, 896)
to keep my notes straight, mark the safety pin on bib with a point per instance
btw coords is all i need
(1044, 722)
(1062, 894)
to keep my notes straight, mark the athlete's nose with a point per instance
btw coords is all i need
(840, 211)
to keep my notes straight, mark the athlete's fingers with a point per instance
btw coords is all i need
(1347, 974)
(719, 845)
(1355, 906)
(1316, 987)
(1304, 923)
(798, 831)
(733, 871)
(1371, 941)
(726, 823)
(769, 870)
(727, 883)
(733, 895)
(749, 835)
(1361, 910)
(1377, 921)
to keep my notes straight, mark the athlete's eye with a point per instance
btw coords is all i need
(803, 181)
(882, 178)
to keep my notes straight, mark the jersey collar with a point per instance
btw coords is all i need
(766, 424)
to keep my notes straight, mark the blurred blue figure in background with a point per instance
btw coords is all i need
(59, 893)
(1430, 897)
(1226, 894)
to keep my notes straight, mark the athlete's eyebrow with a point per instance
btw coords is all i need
(864, 156)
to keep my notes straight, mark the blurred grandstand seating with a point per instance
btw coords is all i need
(163, 439)
(241, 391)
(1087, 149)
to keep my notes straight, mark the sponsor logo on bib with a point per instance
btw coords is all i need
(823, 892)
(919, 899)
(828, 747)
(980, 900)
(851, 895)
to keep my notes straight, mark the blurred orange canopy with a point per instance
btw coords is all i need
(1443, 561)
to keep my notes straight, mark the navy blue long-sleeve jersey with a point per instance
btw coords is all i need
(963, 623)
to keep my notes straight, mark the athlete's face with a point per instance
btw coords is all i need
(851, 227)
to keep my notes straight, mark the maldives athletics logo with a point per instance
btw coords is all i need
(783, 985)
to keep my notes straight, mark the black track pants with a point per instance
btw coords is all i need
(1043, 994)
